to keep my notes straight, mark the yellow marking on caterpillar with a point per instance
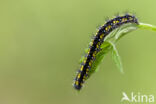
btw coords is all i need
(76, 82)
(97, 46)
(106, 28)
(79, 75)
(90, 63)
(101, 36)
(84, 77)
(117, 21)
(84, 61)
(89, 49)
(109, 26)
(94, 54)
(98, 43)
(123, 19)
(87, 70)
(81, 67)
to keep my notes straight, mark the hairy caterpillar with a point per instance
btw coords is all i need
(94, 48)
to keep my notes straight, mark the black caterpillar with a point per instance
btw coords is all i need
(96, 43)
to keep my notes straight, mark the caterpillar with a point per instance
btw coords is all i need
(94, 48)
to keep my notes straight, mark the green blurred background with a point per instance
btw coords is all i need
(41, 42)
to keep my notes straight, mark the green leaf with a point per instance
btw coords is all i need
(116, 58)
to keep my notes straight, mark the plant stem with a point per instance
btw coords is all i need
(147, 26)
